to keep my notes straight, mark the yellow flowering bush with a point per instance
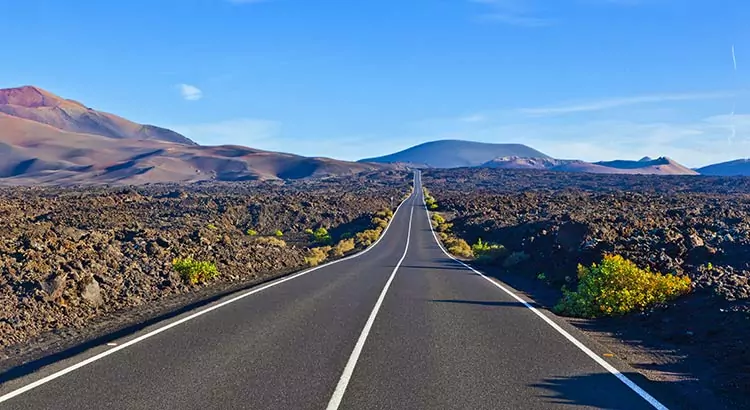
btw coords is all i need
(617, 286)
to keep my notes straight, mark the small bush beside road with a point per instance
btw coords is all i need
(193, 271)
(617, 286)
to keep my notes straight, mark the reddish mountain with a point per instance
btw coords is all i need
(40, 106)
(659, 166)
(47, 139)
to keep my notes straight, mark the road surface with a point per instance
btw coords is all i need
(401, 326)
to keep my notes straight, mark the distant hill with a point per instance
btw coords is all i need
(731, 168)
(660, 166)
(456, 153)
(525, 163)
(46, 139)
(35, 104)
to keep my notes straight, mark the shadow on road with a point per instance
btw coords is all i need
(591, 390)
(429, 267)
(479, 302)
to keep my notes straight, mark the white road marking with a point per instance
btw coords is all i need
(155, 332)
(637, 389)
(346, 376)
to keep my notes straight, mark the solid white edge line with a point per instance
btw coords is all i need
(338, 393)
(155, 332)
(637, 389)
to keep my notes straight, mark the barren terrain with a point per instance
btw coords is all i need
(697, 226)
(76, 262)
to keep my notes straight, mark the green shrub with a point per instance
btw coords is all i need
(278, 233)
(429, 200)
(379, 222)
(252, 232)
(309, 231)
(211, 227)
(322, 236)
(367, 237)
(440, 224)
(193, 271)
(342, 247)
(445, 227)
(437, 219)
(386, 214)
(458, 247)
(316, 256)
(270, 240)
(617, 286)
(487, 252)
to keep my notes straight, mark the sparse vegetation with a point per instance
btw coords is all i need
(617, 286)
(429, 200)
(342, 247)
(270, 240)
(278, 233)
(458, 247)
(316, 256)
(380, 222)
(386, 214)
(321, 235)
(486, 252)
(368, 237)
(453, 245)
(193, 271)
(252, 232)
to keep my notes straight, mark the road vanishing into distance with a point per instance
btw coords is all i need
(399, 326)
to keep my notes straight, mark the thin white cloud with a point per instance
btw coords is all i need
(621, 102)
(190, 92)
(250, 132)
(521, 13)
(473, 118)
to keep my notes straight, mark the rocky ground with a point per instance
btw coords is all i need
(696, 226)
(71, 259)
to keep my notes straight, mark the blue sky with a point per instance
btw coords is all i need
(586, 79)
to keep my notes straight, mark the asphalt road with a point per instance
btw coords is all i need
(401, 326)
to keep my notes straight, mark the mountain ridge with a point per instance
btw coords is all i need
(737, 167)
(453, 153)
(36, 104)
(40, 145)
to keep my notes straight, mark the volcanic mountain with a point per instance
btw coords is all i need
(731, 168)
(646, 166)
(48, 139)
(35, 104)
(456, 153)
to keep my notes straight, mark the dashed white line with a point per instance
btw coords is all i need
(338, 394)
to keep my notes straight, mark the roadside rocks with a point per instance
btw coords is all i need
(694, 226)
(559, 230)
(72, 257)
